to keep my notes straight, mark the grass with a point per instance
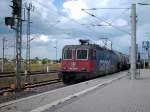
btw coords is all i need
(9, 67)
(7, 82)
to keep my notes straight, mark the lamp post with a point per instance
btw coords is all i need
(56, 50)
(28, 60)
(2, 66)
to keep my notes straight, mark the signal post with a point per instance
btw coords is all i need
(16, 23)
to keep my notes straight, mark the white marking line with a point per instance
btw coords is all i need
(57, 102)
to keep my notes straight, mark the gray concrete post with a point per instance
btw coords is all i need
(133, 42)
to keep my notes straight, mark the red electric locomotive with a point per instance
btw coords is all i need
(89, 60)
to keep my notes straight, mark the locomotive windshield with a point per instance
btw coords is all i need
(68, 54)
(82, 54)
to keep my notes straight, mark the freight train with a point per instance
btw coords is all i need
(87, 60)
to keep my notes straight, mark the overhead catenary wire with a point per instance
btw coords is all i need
(100, 25)
(60, 14)
(85, 26)
(109, 24)
(122, 13)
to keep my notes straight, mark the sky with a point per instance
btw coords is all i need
(63, 22)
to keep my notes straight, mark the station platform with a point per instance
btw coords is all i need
(120, 96)
(112, 93)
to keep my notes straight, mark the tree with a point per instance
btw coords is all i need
(44, 61)
(35, 60)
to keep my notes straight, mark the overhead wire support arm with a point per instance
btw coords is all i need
(107, 22)
(105, 8)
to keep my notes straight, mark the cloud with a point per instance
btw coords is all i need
(63, 19)
(41, 38)
(47, 49)
(75, 24)
(5, 8)
(73, 8)
(120, 22)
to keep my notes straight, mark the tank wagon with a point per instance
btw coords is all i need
(87, 60)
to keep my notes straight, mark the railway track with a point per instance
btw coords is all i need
(6, 89)
(31, 85)
(12, 74)
(43, 83)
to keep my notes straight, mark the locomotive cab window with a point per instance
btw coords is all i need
(82, 54)
(68, 54)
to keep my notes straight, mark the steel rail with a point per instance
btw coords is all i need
(11, 74)
(32, 85)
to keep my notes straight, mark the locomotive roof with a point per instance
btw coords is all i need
(91, 46)
(80, 46)
(88, 46)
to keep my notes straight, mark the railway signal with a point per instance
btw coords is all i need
(16, 7)
(9, 21)
(16, 23)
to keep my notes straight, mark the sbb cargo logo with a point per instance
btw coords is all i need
(104, 65)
